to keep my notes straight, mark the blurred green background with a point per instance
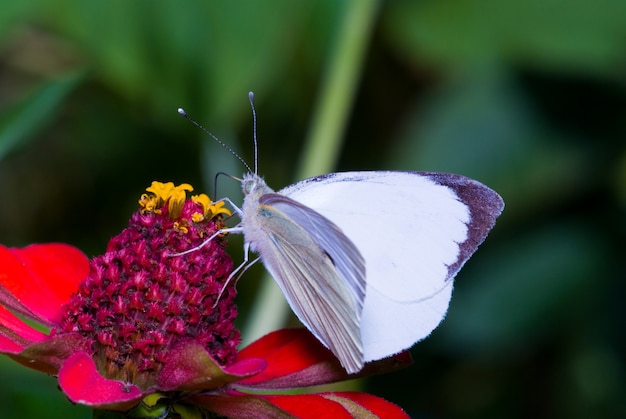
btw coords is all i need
(527, 97)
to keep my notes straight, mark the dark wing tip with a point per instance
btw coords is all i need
(484, 204)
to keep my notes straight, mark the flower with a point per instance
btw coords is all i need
(147, 327)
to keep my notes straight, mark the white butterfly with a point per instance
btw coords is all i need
(366, 259)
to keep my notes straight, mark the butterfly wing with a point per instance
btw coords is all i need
(343, 253)
(415, 231)
(319, 270)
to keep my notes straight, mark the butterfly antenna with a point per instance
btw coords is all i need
(193, 121)
(256, 148)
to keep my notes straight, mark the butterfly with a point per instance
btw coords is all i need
(366, 259)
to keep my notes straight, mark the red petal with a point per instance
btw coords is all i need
(309, 406)
(355, 403)
(246, 367)
(286, 351)
(240, 405)
(18, 333)
(9, 346)
(82, 383)
(295, 358)
(190, 367)
(48, 356)
(40, 278)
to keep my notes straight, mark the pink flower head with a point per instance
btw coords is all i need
(149, 329)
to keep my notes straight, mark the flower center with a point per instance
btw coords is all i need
(142, 296)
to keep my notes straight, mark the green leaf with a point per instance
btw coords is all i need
(571, 36)
(20, 124)
(205, 56)
(475, 126)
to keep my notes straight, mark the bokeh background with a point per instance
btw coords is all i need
(527, 97)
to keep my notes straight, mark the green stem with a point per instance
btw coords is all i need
(324, 141)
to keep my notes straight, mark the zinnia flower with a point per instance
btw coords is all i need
(147, 330)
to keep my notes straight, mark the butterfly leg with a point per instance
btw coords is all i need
(237, 210)
(234, 230)
(242, 267)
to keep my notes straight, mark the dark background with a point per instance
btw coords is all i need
(527, 97)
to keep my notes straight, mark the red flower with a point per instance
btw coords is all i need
(144, 328)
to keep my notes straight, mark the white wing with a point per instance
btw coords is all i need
(343, 253)
(415, 231)
(321, 276)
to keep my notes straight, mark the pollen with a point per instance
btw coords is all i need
(180, 227)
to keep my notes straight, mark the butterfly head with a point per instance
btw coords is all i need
(253, 184)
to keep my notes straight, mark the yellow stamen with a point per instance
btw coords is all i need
(177, 199)
(209, 209)
(164, 192)
(149, 203)
(175, 196)
(181, 227)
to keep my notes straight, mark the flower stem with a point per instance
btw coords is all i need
(324, 141)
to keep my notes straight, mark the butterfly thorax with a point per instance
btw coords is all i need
(254, 187)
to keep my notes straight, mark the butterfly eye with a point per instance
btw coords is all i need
(247, 187)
